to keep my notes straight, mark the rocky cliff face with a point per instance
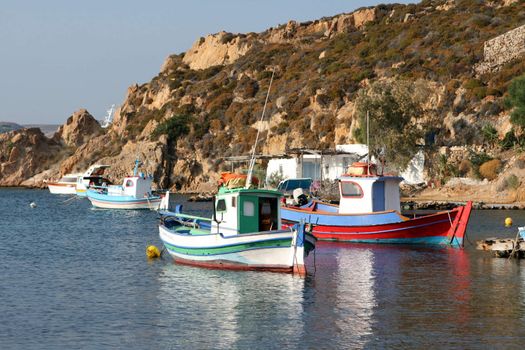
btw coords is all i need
(204, 105)
(78, 129)
(25, 153)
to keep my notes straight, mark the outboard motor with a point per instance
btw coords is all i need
(299, 197)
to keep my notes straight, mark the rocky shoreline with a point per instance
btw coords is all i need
(410, 204)
(407, 204)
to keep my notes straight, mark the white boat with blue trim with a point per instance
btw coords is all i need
(244, 233)
(134, 193)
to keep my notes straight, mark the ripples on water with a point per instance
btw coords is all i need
(75, 277)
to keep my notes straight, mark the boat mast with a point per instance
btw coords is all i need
(136, 168)
(368, 142)
(252, 160)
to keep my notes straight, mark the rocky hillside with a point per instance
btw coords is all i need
(204, 104)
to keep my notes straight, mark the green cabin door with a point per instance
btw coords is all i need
(248, 214)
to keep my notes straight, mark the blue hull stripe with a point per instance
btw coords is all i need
(418, 240)
(333, 219)
(120, 199)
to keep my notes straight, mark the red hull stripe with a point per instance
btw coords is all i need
(449, 226)
(226, 265)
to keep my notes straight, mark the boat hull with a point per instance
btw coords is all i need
(81, 192)
(275, 251)
(58, 188)
(447, 228)
(100, 200)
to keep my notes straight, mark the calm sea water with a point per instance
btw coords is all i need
(75, 277)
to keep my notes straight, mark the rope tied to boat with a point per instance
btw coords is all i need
(516, 246)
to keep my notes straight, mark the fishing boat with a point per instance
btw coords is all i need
(369, 212)
(134, 193)
(94, 176)
(66, 185)
(244, 232)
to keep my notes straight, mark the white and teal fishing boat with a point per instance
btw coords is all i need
(244, 233)
(134, 193)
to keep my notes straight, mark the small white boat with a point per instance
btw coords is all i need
(66, 185)
(244, 233)
(94, 176)
(134, 193)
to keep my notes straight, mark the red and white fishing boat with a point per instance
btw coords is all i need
(369, 212)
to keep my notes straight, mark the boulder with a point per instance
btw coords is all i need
(78, 128)
(216, 49)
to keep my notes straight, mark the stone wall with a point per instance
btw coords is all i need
(502, 49)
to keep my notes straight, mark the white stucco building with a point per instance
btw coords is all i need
(324, 165)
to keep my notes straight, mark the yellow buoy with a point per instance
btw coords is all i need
(508, 222)
(152, 252)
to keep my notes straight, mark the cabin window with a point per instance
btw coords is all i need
(234, 202)
(248, 208)
(351, 189)
(129, 183)
(221, 205)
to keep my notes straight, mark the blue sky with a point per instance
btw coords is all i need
(57, 56)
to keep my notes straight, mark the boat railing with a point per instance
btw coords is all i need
(184, 216)
(261, 233)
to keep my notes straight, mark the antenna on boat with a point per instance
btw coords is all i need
(368, 142)
(252, 160)
(136, 168)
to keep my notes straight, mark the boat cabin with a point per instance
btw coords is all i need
(93, 177)
(363, 190)
(138, 185)
(244, 211)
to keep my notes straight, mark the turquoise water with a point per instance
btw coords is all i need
(75, 277)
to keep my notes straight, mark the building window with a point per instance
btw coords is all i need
(351, 189)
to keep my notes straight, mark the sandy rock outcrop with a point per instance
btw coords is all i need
(216, 49)
(79, 128)
(345, 124)
(362, 17)
(25, 153)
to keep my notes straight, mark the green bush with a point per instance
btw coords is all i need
(274, 179)
(513, 182)
(490, 134)
(392, 110)
(509, 141)
(517, 100)
(174, 127)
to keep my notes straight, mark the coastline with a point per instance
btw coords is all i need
(407, 203)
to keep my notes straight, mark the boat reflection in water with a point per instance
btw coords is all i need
(369, 293)
(238, 309)
(356, 296)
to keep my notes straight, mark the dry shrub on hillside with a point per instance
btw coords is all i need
(464, 167)
(489, 170)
